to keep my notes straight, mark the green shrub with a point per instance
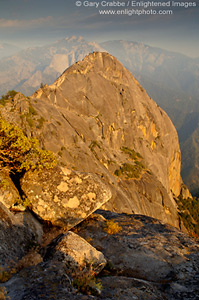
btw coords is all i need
(133, 170)
(132, 153)
(5, 275)
(32, 111)
(9, 95)
(24, 201)
(29, 120)
(40, 122)
(129, 171)
(4, 184)
(19, 153)
(94, 144)
(139, 164)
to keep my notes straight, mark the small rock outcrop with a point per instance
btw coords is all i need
(9, 195)
(74, 252)
(64, 197)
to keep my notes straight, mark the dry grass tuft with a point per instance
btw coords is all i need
(112, 227)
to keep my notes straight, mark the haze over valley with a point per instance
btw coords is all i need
(170, 78)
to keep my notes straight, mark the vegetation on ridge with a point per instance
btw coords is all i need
(9, 95)
(132, 153)
(131, 170)
(189, 209)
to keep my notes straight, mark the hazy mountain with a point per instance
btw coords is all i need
(170, 78)
(8, 49)
(189, 136)
(26, 70)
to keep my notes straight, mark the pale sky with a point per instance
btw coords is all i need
(38, 22)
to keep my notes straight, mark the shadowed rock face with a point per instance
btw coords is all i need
(17, 234)
(144, 252)
(45, 281)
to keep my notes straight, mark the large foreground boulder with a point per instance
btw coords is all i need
(68, 258)
(64, 197)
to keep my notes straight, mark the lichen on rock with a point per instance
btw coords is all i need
(64, 197)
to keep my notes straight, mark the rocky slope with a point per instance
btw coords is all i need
(116, 149)
(145, 260)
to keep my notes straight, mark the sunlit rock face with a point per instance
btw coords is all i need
(98, 119)
(96, 111)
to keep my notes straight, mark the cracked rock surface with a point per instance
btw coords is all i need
(146, 259)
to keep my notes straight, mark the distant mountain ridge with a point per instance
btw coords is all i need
(171, 79)
(26, 70)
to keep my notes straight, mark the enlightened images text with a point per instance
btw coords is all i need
(146, 4)
(133, 3)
